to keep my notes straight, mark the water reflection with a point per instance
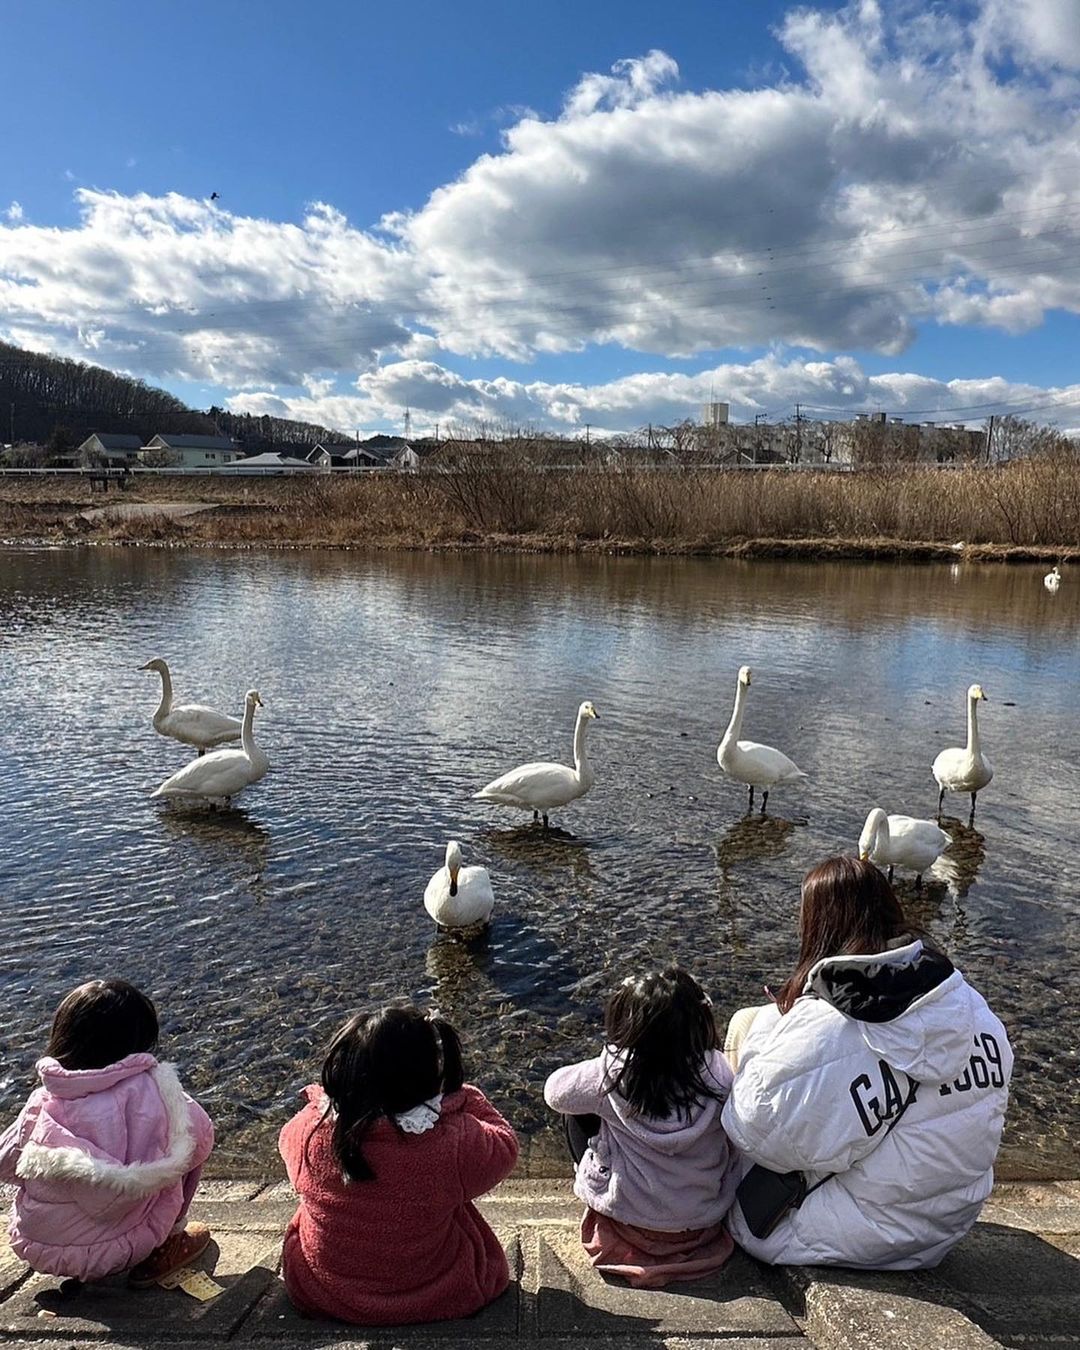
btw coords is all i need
(958, 867)
(752, 838)
(551, 852)
(229, 839)
(307, 900)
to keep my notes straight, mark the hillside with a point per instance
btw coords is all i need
(52, 401)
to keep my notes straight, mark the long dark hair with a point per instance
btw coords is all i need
(664, 1025)
(381, 1064)
(848, 909)
(101, 1023)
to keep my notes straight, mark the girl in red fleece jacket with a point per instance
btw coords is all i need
(387, 1157)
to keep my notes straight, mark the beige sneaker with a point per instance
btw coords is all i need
(177, 1251)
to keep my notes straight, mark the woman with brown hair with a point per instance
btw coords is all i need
(870, 1097)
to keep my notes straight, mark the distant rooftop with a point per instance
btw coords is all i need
(116, 440)
(185, 442)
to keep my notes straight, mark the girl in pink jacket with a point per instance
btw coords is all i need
(387, 1157)
(643, 1125)
(106, 1154)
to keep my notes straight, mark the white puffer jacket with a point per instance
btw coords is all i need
(817, 1088)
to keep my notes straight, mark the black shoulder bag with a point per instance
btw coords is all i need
(766, 1197)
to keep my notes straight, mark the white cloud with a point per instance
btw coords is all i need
(914, 165)
(769, 385)
(14, 213)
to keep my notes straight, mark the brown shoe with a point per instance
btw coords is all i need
(177, 1251)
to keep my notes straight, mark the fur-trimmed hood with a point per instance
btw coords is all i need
(77, 1137)
(101, 1160)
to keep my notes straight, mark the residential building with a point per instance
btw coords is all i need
(190, 452)
(111, 449)
(269, 463)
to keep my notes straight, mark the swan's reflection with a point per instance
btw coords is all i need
(227, 840)
(548, 851)
(751, 839)
(958, 867)
(511, 959)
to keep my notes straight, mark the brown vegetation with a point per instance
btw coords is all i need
(1029, 505)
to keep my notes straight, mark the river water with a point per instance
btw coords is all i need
(397, 685)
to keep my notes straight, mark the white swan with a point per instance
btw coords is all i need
(746, 761)
(964, 768)
(459, 897)
(1052, 580)
(541, 787)
(218, 777)
(191, 723)
(901, 841)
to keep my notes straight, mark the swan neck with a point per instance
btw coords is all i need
(247, 732)
(973, 727)
(735, 725)
(165, 706)
(581, 758)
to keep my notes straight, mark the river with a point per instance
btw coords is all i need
(396, 685)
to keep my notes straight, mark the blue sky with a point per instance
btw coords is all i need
(549, 214)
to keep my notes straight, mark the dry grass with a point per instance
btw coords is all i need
(1027, 507)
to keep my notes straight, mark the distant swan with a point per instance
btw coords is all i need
(459, 897)
(1052, 580)
(190, 723)
(218, 777)
(964, 768)
(901, 841)
(541, 787)
(746, 761)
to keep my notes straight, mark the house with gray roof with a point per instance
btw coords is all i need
(190, 452)
(114, 449)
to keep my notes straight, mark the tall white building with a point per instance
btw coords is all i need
(714, 414)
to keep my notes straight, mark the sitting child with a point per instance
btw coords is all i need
(387, 1157)
(106, 1154)
(643, 1124)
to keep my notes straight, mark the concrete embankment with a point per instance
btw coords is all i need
(1014, 1281)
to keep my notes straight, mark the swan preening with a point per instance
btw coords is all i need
(964, 768)
(746, 761)
(459, 897)
(901, 841)
(541, 787)
(218, 777)
(1052, 580)
(190, 723)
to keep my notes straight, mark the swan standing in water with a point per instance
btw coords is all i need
(746, 761)
(541, 787)
(191, 723)
(218, 777)
(459, 897)
(964, 768)
(1052, 580)
(901, 841)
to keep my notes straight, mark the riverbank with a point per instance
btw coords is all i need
(1026, 511)
(1012, 1281)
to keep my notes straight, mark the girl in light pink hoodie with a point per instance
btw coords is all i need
(643, 1125)
(106, 1154)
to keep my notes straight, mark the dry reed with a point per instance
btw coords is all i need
(1029, 504)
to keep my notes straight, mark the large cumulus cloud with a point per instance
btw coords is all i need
(916, 164)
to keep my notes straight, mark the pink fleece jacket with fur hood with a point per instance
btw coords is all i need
(99, 1157)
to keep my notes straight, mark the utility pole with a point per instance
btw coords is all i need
(587, 425)
(798, 432)
(989, 437)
